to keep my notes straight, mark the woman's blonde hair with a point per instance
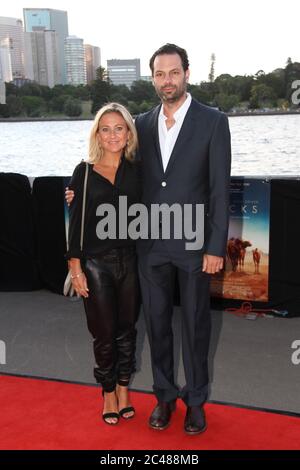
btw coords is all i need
(95, 150)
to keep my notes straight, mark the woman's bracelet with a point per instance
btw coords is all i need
(76, 275)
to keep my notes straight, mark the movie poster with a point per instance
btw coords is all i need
(246, 274)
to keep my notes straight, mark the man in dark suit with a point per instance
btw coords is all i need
(185, 154)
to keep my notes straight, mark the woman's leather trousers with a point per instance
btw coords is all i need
(112, 310)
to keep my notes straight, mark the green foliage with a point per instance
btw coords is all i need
(82, 92)
(262, 96)
(226, 102)
(72, 107)
(15, 105)
(102, 75)
(226, 91)
(100, 94)
(292, 73)
(34, 106)
(133, 108)
(119, 94)
(58, 102)
(11, 89)
(201, 93)
(143, 91)
(30, 89)
(4, 111)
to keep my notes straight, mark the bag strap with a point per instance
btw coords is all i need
(83, 204)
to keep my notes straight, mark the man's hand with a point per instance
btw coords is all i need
(69, 195)
(212, 264)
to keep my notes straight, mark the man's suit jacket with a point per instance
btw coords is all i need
(198, 171)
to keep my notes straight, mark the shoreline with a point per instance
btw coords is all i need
(264, 113)
(42, 119)
(65, 118)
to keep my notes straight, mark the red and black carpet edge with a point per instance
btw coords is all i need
(48, 415)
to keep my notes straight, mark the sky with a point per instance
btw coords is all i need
(244, 36)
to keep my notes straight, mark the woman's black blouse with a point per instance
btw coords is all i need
(100, 191)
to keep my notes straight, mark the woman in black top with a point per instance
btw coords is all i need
(104, 273)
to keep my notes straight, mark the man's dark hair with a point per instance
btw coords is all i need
(171, 49)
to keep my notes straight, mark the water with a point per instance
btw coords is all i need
(261, 145)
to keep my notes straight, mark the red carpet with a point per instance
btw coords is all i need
(41, 414)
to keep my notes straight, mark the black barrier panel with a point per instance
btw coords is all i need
(285, 245)
(18, 266)
(48, 203)
(23, 249)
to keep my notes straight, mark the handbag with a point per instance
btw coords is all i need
(68, 286)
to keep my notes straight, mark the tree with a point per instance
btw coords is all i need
(211, 76)
(225, 84)
(226, 102)
(243, 85)
(102, 74)
(34, 106)
(58, 102)
(72, 107)
(119, 94)
(262, 96)
(204, 92)
(15, 105)
(82, 92)
(292, 73)
(141, 90)
(4, 110)
(133, 108)
(100, 90)
(31, 89)
(11, 89)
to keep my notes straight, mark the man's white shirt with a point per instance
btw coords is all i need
(167, 138)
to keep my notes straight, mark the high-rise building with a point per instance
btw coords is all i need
(5, 62)
(5, 71)
(75, 61)
(43, 59)
(2, 93)
(41, 19)
(146, 78)
(92, 61)
(124, 72)
(12, 37)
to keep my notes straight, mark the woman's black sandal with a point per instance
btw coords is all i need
(106, 416)
(128, 409)
(112, 414)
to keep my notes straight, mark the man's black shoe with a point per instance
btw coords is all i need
(194, 422)
(161, 415)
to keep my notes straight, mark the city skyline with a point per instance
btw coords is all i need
(244, 41)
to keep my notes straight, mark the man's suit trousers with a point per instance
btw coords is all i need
(157, 270)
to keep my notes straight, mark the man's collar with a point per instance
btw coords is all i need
(183, 108)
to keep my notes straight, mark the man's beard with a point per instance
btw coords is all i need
(175, 96)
